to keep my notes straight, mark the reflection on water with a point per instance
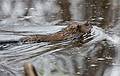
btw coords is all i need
(98, 57)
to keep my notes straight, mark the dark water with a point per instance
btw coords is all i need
(97, 57)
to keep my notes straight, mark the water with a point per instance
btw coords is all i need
(58, 57)
(97, 57)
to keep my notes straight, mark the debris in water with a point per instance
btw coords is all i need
(78, 72)
(101, 59)
(100, 18)
(93, 65)
(109, 58)
(29, 70)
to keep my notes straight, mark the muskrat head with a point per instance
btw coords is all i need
(84, 27)
(80, 27)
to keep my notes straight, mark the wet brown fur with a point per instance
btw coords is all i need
(74, 28)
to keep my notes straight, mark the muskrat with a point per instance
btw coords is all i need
(74, 29)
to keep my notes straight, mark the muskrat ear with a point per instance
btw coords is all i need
(78, 26)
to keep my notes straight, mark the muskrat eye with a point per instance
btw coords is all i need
(78, 26)
(87, 25)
